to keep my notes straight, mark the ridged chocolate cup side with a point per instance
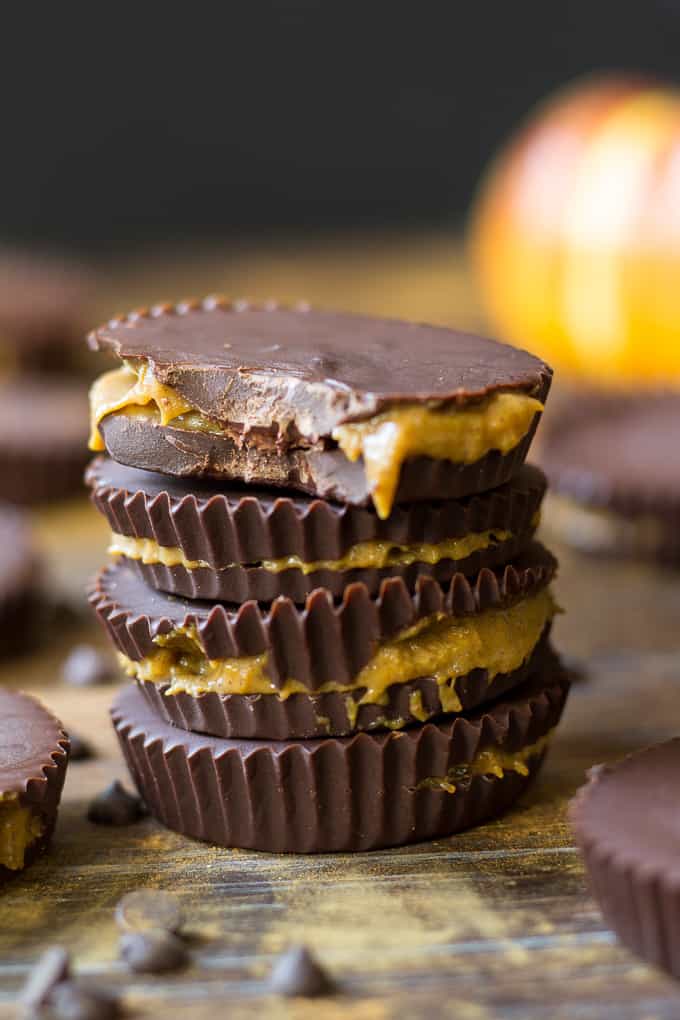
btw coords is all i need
(630, 851)
(34, 753)
(233, 530)
(314, 643)
(139, 441)
(336, 794)
(301, 716)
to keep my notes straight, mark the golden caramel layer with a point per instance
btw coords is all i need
(363, 555)
(493, 761)
(460, 434)
(19, 828)
(443, 647)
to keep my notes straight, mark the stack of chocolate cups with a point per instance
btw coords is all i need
(325, 582)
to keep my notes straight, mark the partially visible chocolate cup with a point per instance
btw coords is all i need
(341, 794)
(33, 759)
(627, 826)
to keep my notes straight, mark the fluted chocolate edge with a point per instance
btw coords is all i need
(335, 794)
(312, 642)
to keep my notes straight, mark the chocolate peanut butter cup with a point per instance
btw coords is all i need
(330, 667)
(612, 462)
(356, 793)
(626, 823)
(42, 438)
(232, 544)
(307, 400)
(33, 759)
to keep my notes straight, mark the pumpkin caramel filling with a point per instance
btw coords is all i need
(19, 828)
(492, 761)
(443, 647)
(375, 554)
(442, 432)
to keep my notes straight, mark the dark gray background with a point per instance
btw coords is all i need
(163, 122)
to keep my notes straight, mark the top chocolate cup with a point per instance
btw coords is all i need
(339, 406)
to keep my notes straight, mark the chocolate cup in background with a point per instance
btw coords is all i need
(335, 794)
(314, 642)
(33, 758)
(139, 441)
(43, 436)
(302, 716)
(233, 529)
(22, 604)
(625, 820)
(612, 466)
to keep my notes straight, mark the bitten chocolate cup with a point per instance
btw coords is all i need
(339, 406)
(237, 543)
(341, 794)
(331, 668)
(33, 759)
(626, 824)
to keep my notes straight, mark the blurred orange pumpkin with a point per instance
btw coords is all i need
(575, 234)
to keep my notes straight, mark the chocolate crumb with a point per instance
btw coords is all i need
(298, 973)
(52, 968)
(115, 806)
(81, 749)
(86, 666)
(149, 909)
(152, 952)
(71, 1001)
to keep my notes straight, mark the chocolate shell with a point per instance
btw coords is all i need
(626, 824)
(314, 642)
(233, 529)
(336, 794)
(610, 459)
(33, 759)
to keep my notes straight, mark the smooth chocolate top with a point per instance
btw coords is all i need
(630, 810)
(330, 365)
(615, 451)
(31, 742)
(41, 298)
(39, 413)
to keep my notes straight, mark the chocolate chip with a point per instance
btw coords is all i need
(81, 750)
(52, 968)
(115, 806)
(297, 972)
(152, 952)
(149, 909)
(71, 1001)
(86, 666)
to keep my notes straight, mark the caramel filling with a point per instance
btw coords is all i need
(460, 434)
(374, 554)
(493, 761)
(19, 828)
(443, 647)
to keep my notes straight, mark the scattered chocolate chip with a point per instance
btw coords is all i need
(115, 806)
(71, 1001)
(86, 666)
(149, 909)
(81, 749)
(152, 952)
(297, 972)
(52, 968)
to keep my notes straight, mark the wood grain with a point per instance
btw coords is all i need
(494, 923)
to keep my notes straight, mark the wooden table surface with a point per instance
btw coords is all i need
(493, 923)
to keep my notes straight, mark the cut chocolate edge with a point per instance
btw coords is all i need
(312, 642)
(337, 794)
(139, 441)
